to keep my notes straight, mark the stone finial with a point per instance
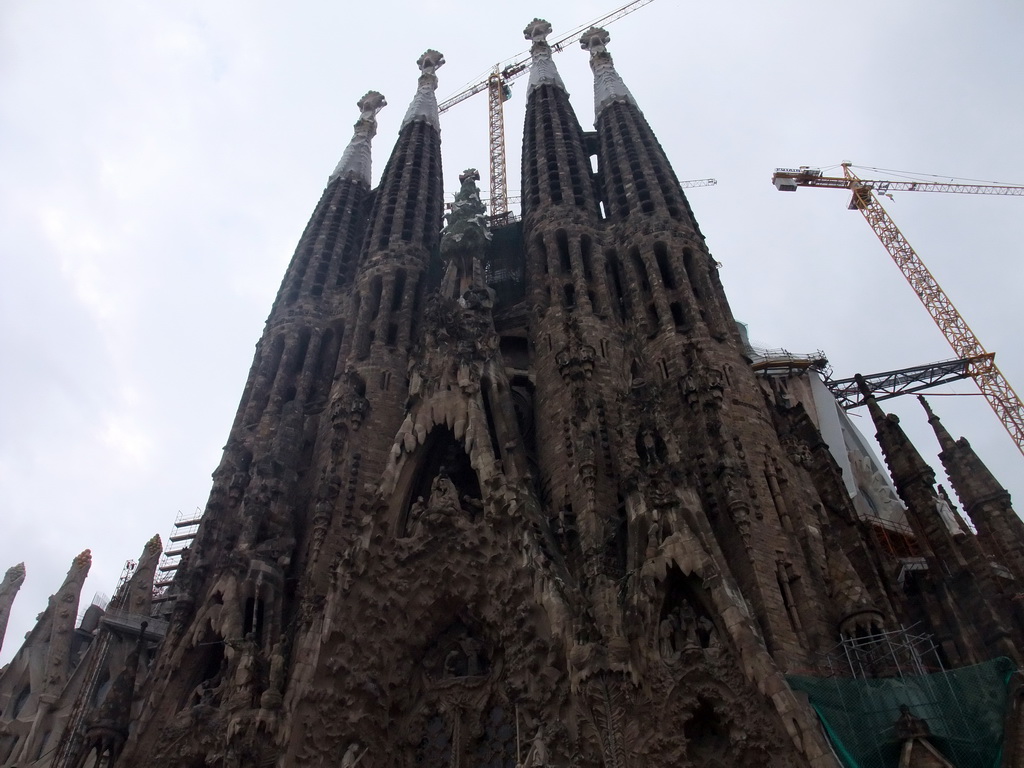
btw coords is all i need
(537, 31)
(153, 546)
(608, 86)
(355, 162)
(371, 103)
(424, 103)
(82, 562)
(14, 577)
(595, 41)
(542, 68)
(430, 61)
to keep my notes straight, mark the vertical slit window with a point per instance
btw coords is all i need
(564, 259)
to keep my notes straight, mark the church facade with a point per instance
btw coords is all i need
(515, 493)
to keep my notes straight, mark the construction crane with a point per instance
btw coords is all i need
(961, 338)
(499, 91)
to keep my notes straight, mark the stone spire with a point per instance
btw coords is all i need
(542, 70)
(424, 103)
(355, 161)
(63, 615)
(137, 597)
(608, 85)
(960, 589)
(985, 501)
(9, 587)
(946, 440)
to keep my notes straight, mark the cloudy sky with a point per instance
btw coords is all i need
(160, 160)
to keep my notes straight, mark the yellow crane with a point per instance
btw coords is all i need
(961, 338)
(496, 83)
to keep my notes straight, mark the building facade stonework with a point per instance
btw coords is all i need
(512, 493)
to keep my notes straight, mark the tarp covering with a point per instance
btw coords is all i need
(963, 709)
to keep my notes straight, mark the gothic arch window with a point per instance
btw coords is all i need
(707, 736)
(564, 259)
(686, 618)
(542, 249)
(20, 700)
(327, 361)
(640, 268)
(204, 671)
(268, 371)
(569, 296)
(664, 266)
(613, 273)
(586, 249)
(376, 286)
(677, 315)
(299, 360)
(690, 265)
(398, 291)
(439, 473)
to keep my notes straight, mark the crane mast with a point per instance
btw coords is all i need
(966, 345)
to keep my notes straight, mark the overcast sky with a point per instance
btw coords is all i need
(160, 159)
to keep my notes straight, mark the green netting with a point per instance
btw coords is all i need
(963, 709)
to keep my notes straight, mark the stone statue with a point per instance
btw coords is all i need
(443, 494)
(706, 631)
(688, 626)
(667, 631)
(245, 672)
(352, 755)
(415, 519)
(271, 698)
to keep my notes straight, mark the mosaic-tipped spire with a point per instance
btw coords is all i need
(424, 103)
(138, 592)
(608, 86)
(9, 587)
(63, 614)
(542, 70)
(355, 162)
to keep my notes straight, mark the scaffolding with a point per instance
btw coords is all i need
(186, 526)
(870, 681)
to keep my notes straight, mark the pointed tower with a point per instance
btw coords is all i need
(35, 678)
(9, 587)
(236, 590)
(986, 502)
(577, 361)
(961, 604)
(671, 281)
